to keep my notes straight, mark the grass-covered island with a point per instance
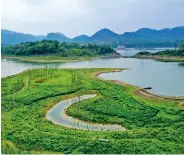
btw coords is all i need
(152, 126)
(53, 51)
(167, 55)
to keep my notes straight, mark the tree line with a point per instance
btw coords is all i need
(49, 47)
(175, 53)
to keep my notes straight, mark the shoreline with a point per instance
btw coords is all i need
(28, 59)
(161, 58)
(140, 91)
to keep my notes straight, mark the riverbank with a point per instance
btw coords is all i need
(141, 91)
(161, 58)
(52, 59)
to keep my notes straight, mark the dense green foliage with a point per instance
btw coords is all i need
(181, 46)
(153, 126)
(48, 47)
(169, 53)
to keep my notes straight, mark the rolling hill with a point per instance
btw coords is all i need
(12, 37)
(144, 37)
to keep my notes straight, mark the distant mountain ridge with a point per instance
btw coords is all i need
(141, 37)
(12, 37)
(174, 33)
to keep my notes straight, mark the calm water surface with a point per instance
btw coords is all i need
(165, 78)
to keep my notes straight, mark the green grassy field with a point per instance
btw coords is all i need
(153, 126)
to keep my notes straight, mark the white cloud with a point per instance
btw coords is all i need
(74, 17)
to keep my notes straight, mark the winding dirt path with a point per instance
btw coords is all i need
(57, 115)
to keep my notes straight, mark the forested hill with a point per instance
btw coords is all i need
(49, 47)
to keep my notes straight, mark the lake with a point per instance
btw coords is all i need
(165, 78)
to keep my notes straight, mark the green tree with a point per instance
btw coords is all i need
(181, 46)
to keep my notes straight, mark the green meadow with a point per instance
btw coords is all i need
(153, 126)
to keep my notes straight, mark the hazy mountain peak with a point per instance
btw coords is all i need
(84, 36)
(105, 30)
(57, 34)
(104, 35)
(81, 38)
(144, 30)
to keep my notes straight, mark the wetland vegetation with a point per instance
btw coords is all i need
(153, 126)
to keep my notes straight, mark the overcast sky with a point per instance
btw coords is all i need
(75, 17)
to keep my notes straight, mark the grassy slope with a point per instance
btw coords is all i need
(154, 126)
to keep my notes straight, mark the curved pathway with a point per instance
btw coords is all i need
(57, 115)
